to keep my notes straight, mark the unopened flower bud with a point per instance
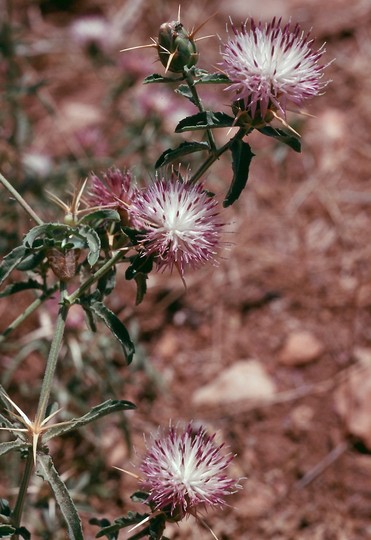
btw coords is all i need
(176, 48)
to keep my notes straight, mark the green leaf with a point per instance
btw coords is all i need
(103, 409)
(183, 149)
(10, 261)
(205, 120)
(141, 281)
(117, 328)
(50, 230)
(21, 286)
(31, 261)
(101, 215)
(213, 78)
(6, 447)
(132, 518)
(241, 156)
(156, 78)
(185, 91)
(6, 531)
(46, 470)
(93, 241)
(107, 282)
(291, 140)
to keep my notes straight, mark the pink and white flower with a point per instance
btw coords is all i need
(179, 221)
(184, 470)
(270, 66)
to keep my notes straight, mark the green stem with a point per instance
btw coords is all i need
(191, 84)
(71, 299)
(20, 200)
(28, 311)
(216, 155)
(52, 358)
(18, 509)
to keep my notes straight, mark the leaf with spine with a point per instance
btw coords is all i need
(132, 518)
(104, 523)
(241, 159)
(6, 530)
(185, 148)
(156, 78)
(291, 140)
(46, 470)
(6, 447)
(213, 78)
(20, 286)
(11, 261)
(205, 120)
(114, 324)
(99, 411)
(97, 217)
(93, 242)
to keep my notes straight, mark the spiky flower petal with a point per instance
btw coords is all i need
(179, 221)
(270, 65)
(184, 470)
(114, 190)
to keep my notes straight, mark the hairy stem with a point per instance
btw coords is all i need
(18, 509)
(28, 311)
(216, 155)
(190, 81)
(52, 358)
(20, 200)
(71, 299)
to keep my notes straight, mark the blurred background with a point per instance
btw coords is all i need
(287, 310)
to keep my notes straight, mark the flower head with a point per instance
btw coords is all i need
(179, 221)
(270, 65)
(115, 191)
(185, 470)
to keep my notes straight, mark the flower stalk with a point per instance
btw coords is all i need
(20, 200)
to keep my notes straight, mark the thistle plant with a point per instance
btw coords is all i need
(117, 223)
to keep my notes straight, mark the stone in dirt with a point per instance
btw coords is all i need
(352, 402)
(301, 347)
(246, 379)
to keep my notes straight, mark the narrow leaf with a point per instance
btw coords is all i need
(182, 150)
(120, 523)
(10, 261)
(117, 328)
(291, 140)
(204, 120)
(241, 156)
(6, 447)
(6, 531)
(156, 78)
(213, 78)
(46, 470)
(107, 407)
(101, 215)
(141, 281)
(20, 286)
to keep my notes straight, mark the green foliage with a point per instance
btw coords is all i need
(184, 149)
(242, 156)
(46, 470)
(99, 411)
(204, 120)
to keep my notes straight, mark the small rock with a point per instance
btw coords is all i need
(301, 347)
(352, 403)
(246, 379)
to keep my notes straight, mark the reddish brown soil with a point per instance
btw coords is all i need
(297, 256)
